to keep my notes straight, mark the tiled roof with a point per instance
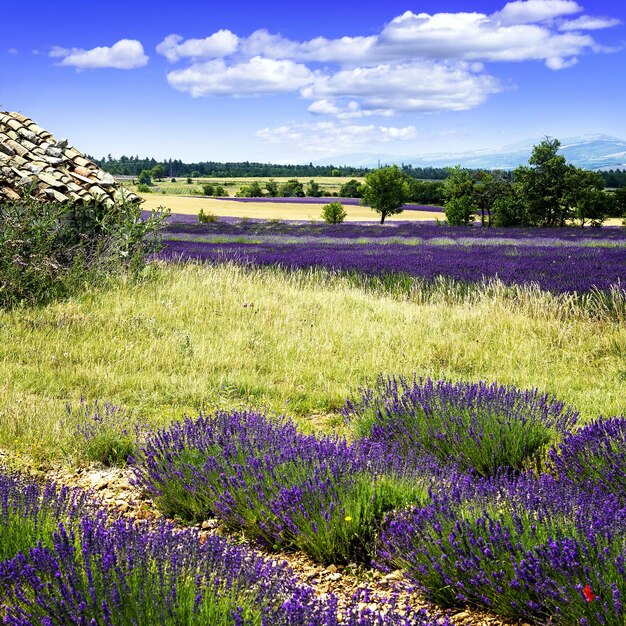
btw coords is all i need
(32, 159)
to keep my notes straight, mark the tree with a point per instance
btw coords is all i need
(313, 189)
(144, 178)
(208, 189)
(352, 189)
(426, 191)
(271, 186)
(490, 187)
(461, 197)
(253, 190)
(386, 190)
(542, 186)
(334, 213)
(157, 172)
(585, 197)
(293, 188)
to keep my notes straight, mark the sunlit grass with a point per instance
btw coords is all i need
(193, 336)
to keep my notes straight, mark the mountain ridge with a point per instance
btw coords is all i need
(593, 151)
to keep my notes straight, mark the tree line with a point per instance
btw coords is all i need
(547, 192)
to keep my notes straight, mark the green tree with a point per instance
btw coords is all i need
(490, 187)
(334, 213)
(208, 189)
(461, 197)
(271, 186)
(542, 185)
(219, 191)
(585, 197)
(253, 190)
(426, 191)
(386, 190)
(313, 189)
(293, 188)
(352, 189)
(144, 178)
(157, 172)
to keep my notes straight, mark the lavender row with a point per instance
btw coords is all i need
(286, 490)
(480, 427)
(555, 269)
(406, 230)
(90, 568)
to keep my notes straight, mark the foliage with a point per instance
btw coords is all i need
(386, 191)
(426, 192)
(144, 188)
(482, 427)
(206, 218)
(594, 457)
(334, 213)
(49, 250)
(352, 189)
(530, 548)
(144, 178)
(288, 490)
(208, 189)
(253, 190)
(313, 190)
(293, 188)
(459, 192)
(271, 186)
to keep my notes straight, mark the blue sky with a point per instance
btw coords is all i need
(295, 82)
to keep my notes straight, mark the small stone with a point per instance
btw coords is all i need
(331, 569)
(335, 576)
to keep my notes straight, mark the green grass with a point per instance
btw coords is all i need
(192, 337)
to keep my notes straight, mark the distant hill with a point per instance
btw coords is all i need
(594, 152)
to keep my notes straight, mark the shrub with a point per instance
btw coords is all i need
(50, 250)
(334, 213)
(482, 427)
(208, 189)
(219, 191)
(30, 512)
(287, 490)
(530, 547)
(110, 432)
(206, 218)
(143, 188)
(594, 457)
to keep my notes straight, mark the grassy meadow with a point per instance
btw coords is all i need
(192, 337)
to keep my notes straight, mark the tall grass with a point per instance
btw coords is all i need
(196, 337)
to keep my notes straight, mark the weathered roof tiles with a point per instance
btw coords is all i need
(31, 159)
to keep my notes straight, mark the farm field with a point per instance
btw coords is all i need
(484, 349)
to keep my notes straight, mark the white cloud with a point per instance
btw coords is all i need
(219, 44)
(588, 22)
(12, 51)
(350, 110)
(421, 86)
(333, 137)
(254, 77)
(126, 54)
(529, 11)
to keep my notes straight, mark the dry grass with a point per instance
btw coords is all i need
(200, 336)
(270, 210)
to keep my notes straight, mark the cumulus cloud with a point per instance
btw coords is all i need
(529, 11)
(588, 22)
(422, 86)
(332, 137)
(12, 51)
(126, 54)
(258, 76)
(219, 44)
(417, 62)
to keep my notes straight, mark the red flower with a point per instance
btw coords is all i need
(589, 594)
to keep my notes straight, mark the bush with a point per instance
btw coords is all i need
(49, 251)
(483, 427)
(206, 218)
(208, 189)
(334, 213)
(144, 188)
(594, 457)
(285, 489)
(530, 548)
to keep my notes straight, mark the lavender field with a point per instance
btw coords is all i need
(557, 260)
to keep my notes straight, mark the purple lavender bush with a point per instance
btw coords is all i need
(594, 456)
(30, 512)
(529, 547)
(126, 573)
(110, 432)
(285, 489)
(482, 427)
